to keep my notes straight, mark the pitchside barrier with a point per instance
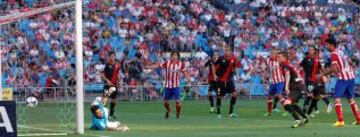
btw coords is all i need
(145, 93)
(7, 114)
(129, 93)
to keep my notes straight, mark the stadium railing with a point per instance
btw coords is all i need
(127, 93)
(137, 93)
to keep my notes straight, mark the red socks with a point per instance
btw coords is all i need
(178, 107)
(355, 110)
(269, 104)
(167, 106)
(339, 113)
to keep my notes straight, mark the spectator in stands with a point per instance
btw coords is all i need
(154, 27)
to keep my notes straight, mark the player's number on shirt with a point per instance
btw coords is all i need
(310, 88)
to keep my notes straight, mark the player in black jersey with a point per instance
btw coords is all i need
(212, 80)
(312, 67)
(225, 71)
(294, 88)
(110, 75)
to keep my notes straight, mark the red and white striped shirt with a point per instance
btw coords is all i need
(172, 73)
(345, 71)
(276, 75)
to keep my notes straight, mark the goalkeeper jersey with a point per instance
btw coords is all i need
(100, 123)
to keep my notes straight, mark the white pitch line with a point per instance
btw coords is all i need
(51, 134)
(44, 129)
(43, 134)
(95, 135)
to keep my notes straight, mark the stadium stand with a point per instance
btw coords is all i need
(39, 51)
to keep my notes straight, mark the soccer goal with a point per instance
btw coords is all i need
(54, 114)
(56, 110)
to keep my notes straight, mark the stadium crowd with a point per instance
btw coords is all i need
(18, 6)
(39, 51)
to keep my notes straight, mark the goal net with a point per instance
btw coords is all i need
(38, 61)
(54, 113)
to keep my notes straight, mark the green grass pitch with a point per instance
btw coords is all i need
(146, 119)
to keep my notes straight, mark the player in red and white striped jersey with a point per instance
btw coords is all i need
(276, 75)
(172, 73)
(173, 69)
(344, 85)
(345, 71)
(276, 87)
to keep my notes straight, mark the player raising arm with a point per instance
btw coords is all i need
(345, 82)
(173, 68)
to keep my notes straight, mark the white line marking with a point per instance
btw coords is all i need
(43, 134)
(44, 129)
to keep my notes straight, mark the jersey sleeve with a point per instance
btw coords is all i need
(322, 63)
(182, 67)
(217, 63)
(163, 65)
(98, 124)
(303, 62)
(207, 63)
(285, 69)
(237, 64)
(334, 59)
(106, 68)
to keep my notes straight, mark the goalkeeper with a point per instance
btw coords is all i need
(100, 115)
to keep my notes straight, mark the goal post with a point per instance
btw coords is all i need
(79, 68)
(1, 98)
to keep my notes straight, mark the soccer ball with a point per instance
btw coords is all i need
(31, 102)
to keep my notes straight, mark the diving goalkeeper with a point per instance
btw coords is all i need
(100, 115)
